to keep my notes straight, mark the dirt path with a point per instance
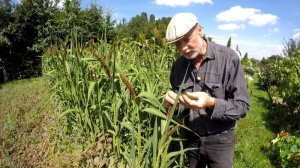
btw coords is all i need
(25, 122)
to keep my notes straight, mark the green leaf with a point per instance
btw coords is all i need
(150, 98)
(68, 67)
(66, 112)
(155, 112)
(154, 142)
(128, 125)
(112, 132)
(172, 154)
(146, 148)
(133, 147)
(170, 162)
(89, 59)
(294, 149)
(127, 158)
(91, 88)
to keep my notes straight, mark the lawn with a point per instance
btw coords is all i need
(26, 117)
(253, 133)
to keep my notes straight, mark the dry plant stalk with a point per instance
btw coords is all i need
(78, 49)
(128, 85)
(110, 53)
(103, 63)
(169, 112)
(88, 43)
(65, 49)
(169, 134)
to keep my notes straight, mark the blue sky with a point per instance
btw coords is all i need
(259, 27)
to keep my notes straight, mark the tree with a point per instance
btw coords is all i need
(25, 33)
(5, 17)
(89, 23)
(140, 28)
(291, 48)
(138, 25)
(161, 26)
(264, 61)
(66, 19)
(121, 29)
(29, 27)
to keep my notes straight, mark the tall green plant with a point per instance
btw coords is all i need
(115, 89)
(249, 68)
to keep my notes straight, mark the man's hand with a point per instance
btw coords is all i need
(197, 100)
(169, 99)
(192, 100)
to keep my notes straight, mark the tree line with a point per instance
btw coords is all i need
(28, 27)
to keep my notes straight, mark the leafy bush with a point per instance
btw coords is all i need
(282, 81)
(280, 76)
(286, 150)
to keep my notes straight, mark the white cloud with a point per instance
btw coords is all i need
(174, 3)
(275, 30)
(259, 54)
(253, 16)
(296, 36)
(60, 3)
(231, 26)
(262, 19)
(236, 13)
(233, 35)
(265, 53)
(267, 35)
(255, 49)
(297, 30)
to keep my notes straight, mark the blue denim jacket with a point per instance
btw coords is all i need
(222, 77)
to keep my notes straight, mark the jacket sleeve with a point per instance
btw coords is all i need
(237, 103)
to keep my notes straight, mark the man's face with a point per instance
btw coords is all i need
(190, 45)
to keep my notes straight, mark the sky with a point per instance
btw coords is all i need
(259, 27)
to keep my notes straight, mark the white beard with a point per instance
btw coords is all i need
(196, 51)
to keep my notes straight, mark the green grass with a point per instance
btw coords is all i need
(30, 136)
(24, 122)
(253, 133)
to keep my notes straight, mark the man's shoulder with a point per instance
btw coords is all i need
(223, 51)
(221, 48)
(181, 60)
(180, 65)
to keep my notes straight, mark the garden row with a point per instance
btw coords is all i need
(114, 92)
(280, 76)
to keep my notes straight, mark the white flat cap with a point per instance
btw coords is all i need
(180, 25)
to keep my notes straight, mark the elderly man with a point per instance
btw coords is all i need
(214, 91)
